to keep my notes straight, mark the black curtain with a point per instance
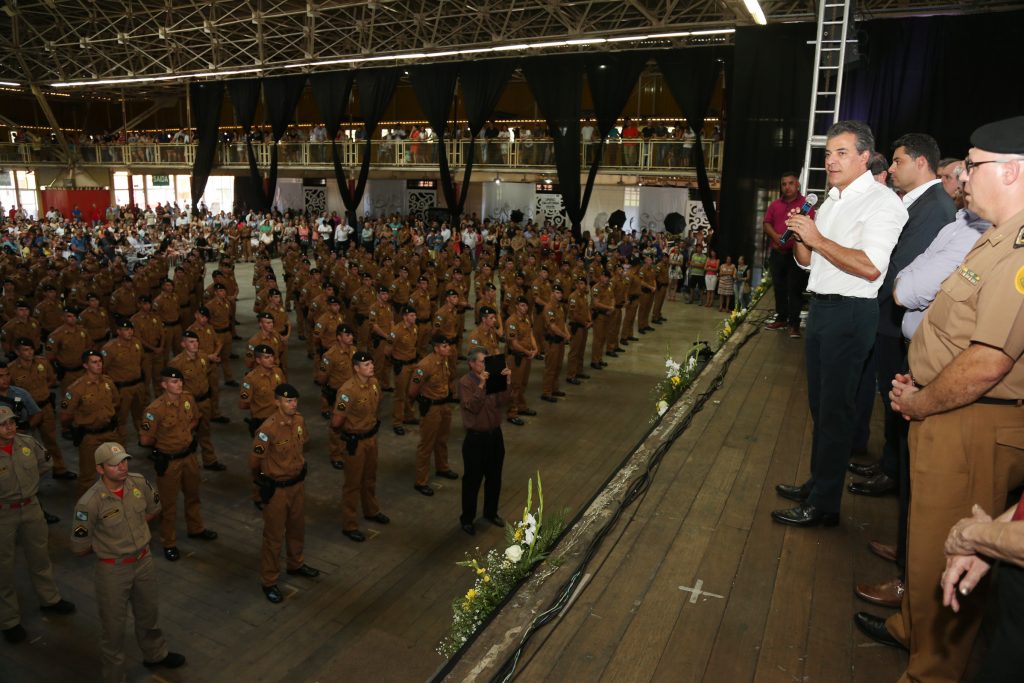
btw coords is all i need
(245, 96)
(557, 85)
(207, 99)
(434, 85)
(332, 90)
(282, 96)
(768, 102)
(691, 76)
(927, 75)
(482, 86)
(376, 86)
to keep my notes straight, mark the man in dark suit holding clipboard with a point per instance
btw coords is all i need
(483, 398)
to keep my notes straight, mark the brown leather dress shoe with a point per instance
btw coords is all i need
(883, 550)
(887, 593)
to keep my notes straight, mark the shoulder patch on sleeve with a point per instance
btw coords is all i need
(263, 437)
(81, 515)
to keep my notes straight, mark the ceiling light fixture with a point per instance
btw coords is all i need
(755, 11)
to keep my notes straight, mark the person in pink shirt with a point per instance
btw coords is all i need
(788, 280)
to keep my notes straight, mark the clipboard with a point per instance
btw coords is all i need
(496, 382)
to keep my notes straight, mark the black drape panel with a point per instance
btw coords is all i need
(207, 99)
(768, 102)
(482, 86)
(332, 90)
(282, 96)
(245, 96)
(557, 85)
(434, 85)
(911, 78)
(376, 86)
(691, 76)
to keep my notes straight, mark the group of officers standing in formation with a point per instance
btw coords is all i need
(95, 348)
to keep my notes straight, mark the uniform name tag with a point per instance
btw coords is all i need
(968, 274)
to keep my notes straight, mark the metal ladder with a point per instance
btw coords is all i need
(826, 89)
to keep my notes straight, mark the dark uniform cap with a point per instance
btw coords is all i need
(263, 315)
(203, 310)
(407, 309)
(382, 289)
(275, 292)
(422, 278)
(522, 300)
(22, 304)
(487, 310)
(521, 274)
(172, 373)
(126, 324)
(145, 299)
(73, 310)
(438, 339)
(49, 288)
(263, 349)
(1001, 137)
(219, 285)
(330, 300)
(361, 357)
(189, 334)
(344, 329)
(285, 391)
(24, 341)
(451, 292)
(490, 285)
(556, 288)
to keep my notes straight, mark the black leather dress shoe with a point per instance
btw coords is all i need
(633, 338)
(618, 350)
(273, 594)
(528, 413)
(596, 366)
(215, 466)
(572, 380)
(306, 571)
(173, 660)
(642, 330)
(805, 516)
(791, 492)
(864, 470)
(559, 394)
(400, 431)
(220, 419)
(878, 485)
(50, 519)
(447, 474)
(613, 354)
(205, 535)
(516, 421)
(497, 520)
(66, 475)
(380, 518)
(469, 529)
(582, 376)
(874, 628)
(172, 554)
(603, 365)
(62, 606)
(355, 535)
(338, 464)
(425, 489)
(549, 399)
(15, 634)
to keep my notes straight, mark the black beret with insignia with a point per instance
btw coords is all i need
(126, 324)
(204, 311)
(344, 329)
(189, 334)
(490, 285)
(263, 349)
(263, 315)
(89, 354)
(172, 373)
(451, 292)
(219, 285)
(522, 300)
(22, 304)
(408, 309)
(333, 300)
(556, 288)
(286, 391)
(24, 341)
(361, 357)
(438, 339)
(1001, 137)
(487, 310)
(275, 292)
(145, 299)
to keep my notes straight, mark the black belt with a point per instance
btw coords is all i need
(437, 401)
(189, 450)
(203, 397)
(363, 435)
(129, 383)
(108, 427)
(278, 484)
(221, 330)
(484, 432)
(172, 323)
(829, 297)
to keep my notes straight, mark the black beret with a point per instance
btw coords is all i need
(330, 300)
(73, 310)
(263, 349)
(1001, 137)
(23, 304)
(556, 288)
(172, 373)
(382, 289)
(219, 285)
(438, 339)
(422, 278)
(275, 292)
(522, 300)
(490, 285)
(145, 299)
(126, 324)
(263, 315)
(361, 357)
(49, 288)
(286, 391)
(344, 329)
(24, 341)
(407, 309)
(203, 310)
(451, 292)
(487, 310)
(189, 334)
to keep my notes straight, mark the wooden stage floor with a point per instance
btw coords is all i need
(380, 608)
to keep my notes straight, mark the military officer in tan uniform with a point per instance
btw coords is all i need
(209, 348)
(150, 333)
(122, 361)
(168, 309)
(35, 375)
(334, 370)
(112, 521)
(168, 426)
(264, 335)
(431, 386)
(257, 392)
(64, 348)
(279, 467)
(421, 300)
(521, 349)
(602, 306)
(275, 307)
(196, 369)
(49, 312)
(579, 322)
(404, 337)
(22, 461)
(356, 418)
(18, 327)
(220, 317)
(89, 410)
(382, 319)
(95, 320)
(556, 334)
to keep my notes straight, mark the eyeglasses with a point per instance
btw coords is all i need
(971, 165)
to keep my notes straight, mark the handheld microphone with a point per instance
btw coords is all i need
(809, 203)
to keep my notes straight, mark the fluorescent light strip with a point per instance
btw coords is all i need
(755, 11)
(9, 84)
(417, 55)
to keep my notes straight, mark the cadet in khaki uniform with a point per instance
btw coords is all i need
(64, 348)
(168, 426)
(112, 521)
(602, 306)
(326, 324)
(168, 309)
(279, 467)
(209, 348)
(522, 349)
(382, 319)
(334, 370)
(95, 320)
(220, 317)
(49, 312)
(403, 355)
(579, 324)
(356, 417)
(22, 461)
(275, 307)
(446, 323)
(632, 284)
(613, 346)
(421, 300)
(18, 327)
(431, 386)
(257, 392)
(661, 280)
(556, 335)
(150, 333)
(647, 275)
(196, 369)
(89, 409)
(264, 335)
(36, 376)
(122, 361)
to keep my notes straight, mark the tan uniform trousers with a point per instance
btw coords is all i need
(225, 355)
(382, 369)
(283, 517)
(360, 484)
(423, 332)
(401, 407)
(628, 318)
(203, 432)
(182, 476)
(644, 310)
(172, 342)
(553, 358)
(434, 429)
(27, 528)
(614, 323)
(130, 403)
(518, 380)
(597, 346)
(48, 435)
(152, 364)
(87, 457)
(659, 301)
(577, 349)
(117, 586)
(974, 454)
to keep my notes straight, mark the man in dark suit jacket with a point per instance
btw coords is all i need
(930, 208)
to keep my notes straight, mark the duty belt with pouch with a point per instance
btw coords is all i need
(78, 433)
(398, 364)
(352, 440)
(162, 460)
(267, 486)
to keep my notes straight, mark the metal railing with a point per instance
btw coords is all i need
(626, 156)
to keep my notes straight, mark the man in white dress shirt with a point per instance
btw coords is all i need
(846, 248)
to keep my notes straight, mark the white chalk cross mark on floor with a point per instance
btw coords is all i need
(696, 592)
